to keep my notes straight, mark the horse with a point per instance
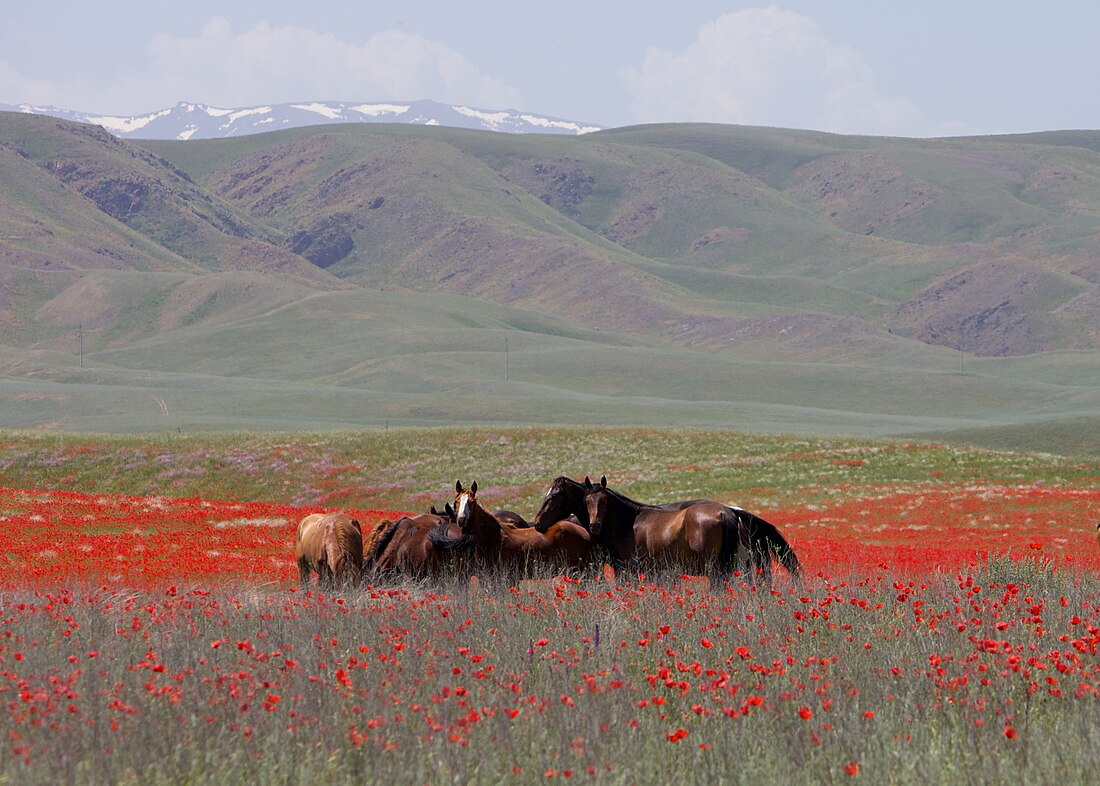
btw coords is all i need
(332, 545)
(417, 546)
(701, 536)
(563, 500)
(566, 498)
(565, 544)
(511, 517)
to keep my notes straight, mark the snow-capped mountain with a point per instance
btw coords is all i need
(199, 121)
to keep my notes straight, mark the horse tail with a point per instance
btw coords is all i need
(382, 541)
(444, 541)
(766, 541)
(353, 552)
(342, 546)
(734, 541)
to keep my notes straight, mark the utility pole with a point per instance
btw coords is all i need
(505, 358)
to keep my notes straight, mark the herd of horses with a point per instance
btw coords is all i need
(577, 526)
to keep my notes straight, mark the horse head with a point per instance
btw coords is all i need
(595, 500)
(465, 499)
(563, 499)
(447, 513)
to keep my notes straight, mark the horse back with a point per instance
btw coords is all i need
(570, 529)
(696, 527)
(344, 534)
(308, 542)
(407, 546)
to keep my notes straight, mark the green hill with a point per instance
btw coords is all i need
(349, 276)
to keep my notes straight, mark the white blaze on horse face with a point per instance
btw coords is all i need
(460, 512)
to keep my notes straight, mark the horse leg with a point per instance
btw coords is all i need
(303, 573)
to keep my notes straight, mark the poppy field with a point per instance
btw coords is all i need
(946, 631)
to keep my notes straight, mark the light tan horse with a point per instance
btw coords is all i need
(332, 545)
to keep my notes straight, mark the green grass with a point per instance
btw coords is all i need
(403, 469)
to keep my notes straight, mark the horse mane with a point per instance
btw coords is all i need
(633, 504)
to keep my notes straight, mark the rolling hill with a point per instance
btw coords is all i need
(353, 275)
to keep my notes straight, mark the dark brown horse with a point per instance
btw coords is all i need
(511, 517)
(332, 545)
(566, 497)
(563, 500)
(564, 545)
(417, 546)
(700, 536)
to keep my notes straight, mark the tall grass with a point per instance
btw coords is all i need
(644, 682)
(979, 672)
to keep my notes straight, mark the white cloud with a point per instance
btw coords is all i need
(17, 89)
(766, 67)
(266, 64)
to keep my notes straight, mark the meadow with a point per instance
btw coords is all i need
(152, 629)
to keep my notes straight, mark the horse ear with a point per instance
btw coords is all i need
(458, 487)
(603, 480)
(449, 510)
(433, 511)
(473, 487)
(587, 482)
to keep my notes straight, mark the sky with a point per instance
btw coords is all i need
(913, 69)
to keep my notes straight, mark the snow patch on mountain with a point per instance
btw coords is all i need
(324, 110)
(189, 120)
(377, 110)
(125, 126)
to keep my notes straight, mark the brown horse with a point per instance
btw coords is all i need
(332, 545)
(417, 546)
(563, 500)
(701, 537)
(566, 497)
(565, 544)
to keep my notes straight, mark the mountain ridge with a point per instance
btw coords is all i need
(189, 120)
(653, 267)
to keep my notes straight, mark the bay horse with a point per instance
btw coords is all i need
(701, 536)
(417, 546)
(511, 517)
(564, 544)
(332, 545)
(566, 497)
(563, 500)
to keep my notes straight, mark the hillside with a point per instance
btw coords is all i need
(713, 275)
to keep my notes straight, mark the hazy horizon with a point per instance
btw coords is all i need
(931, 69)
